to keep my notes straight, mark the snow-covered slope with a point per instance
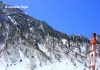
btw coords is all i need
(30, 44)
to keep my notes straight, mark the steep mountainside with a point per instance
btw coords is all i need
(30, 44)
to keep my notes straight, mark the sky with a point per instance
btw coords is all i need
(68, 16)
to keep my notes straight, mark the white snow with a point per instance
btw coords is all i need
(2, 64)
(31, 29)
(12, 20)
(24, 65)
(2, 47)
(41, 27)
(64, 41)
(64, 65)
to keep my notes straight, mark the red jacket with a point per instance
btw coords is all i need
(93, 39)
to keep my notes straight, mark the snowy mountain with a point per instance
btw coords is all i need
(30, 44)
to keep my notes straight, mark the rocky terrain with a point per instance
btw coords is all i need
(30, 44)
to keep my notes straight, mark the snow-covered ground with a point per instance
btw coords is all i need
(70, 63)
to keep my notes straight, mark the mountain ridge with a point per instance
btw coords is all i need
(30, 44)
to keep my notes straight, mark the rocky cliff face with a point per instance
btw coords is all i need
(30, 44)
